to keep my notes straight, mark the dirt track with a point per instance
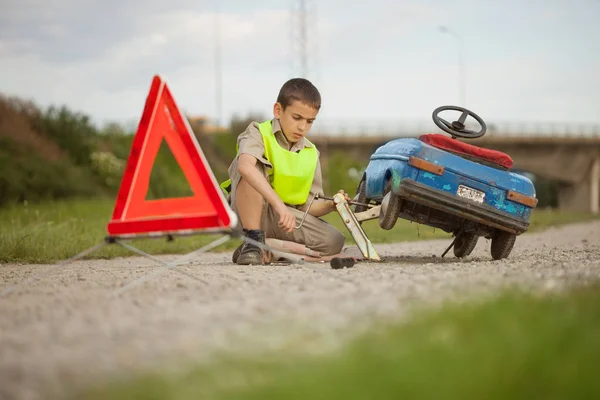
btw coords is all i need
(65, 330)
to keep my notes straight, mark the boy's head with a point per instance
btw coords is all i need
(297, 107)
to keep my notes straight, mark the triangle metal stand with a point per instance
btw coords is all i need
(120, 241)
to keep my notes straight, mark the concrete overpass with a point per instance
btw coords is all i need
(567, 153)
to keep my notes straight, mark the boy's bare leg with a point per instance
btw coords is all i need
(249, 204)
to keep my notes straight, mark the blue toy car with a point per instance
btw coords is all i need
(439, 181)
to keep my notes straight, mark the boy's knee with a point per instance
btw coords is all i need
(239, 180)
(332, 242)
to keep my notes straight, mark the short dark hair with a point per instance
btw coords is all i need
(299, 89)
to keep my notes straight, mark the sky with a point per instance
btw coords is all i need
(376, 61)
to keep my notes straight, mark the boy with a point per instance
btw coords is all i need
(275, 175)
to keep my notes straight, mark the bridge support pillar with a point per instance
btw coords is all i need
(584, 195)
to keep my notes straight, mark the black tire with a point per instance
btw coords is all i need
(465, 244)
(361, 196)
(390, 211)
(502, 244)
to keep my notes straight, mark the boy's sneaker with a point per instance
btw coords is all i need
(247, 253)
(236, 253)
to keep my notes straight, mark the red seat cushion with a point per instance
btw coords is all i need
(447, 143)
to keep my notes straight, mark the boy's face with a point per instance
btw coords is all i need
(296, 120)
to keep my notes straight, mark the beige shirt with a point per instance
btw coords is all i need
(251, 142)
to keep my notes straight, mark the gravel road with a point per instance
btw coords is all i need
(65, 330)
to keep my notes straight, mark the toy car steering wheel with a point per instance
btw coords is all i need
(457, 128)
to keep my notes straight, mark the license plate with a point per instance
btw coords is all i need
(471, 194)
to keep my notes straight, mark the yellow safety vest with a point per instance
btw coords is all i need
(292, 174)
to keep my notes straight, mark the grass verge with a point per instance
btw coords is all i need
(51, 231)
(515, 346)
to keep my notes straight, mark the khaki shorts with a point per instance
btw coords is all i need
(315, 233)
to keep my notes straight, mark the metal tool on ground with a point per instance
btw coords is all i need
(352, 222)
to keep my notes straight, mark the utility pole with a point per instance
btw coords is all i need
(462, 78)
(303, 22)
(303, 36)
(303, 39)
(218, 68)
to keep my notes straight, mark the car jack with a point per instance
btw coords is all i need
(352, 222)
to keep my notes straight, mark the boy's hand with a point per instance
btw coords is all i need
(287, 219)
(331, 202)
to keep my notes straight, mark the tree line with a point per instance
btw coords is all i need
(57, 152)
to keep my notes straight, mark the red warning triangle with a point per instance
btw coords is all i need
(206, 210)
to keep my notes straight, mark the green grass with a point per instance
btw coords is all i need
(57, 230)
(52, 231)
(515, 346)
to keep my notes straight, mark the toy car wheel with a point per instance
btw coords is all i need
(390, 209)
(502, 244)
(465, 244)
(361, 196)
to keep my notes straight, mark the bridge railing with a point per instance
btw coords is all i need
(416, 128)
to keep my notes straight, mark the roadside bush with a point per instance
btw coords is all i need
(73, 132)
(24, 175)
(43, 155)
